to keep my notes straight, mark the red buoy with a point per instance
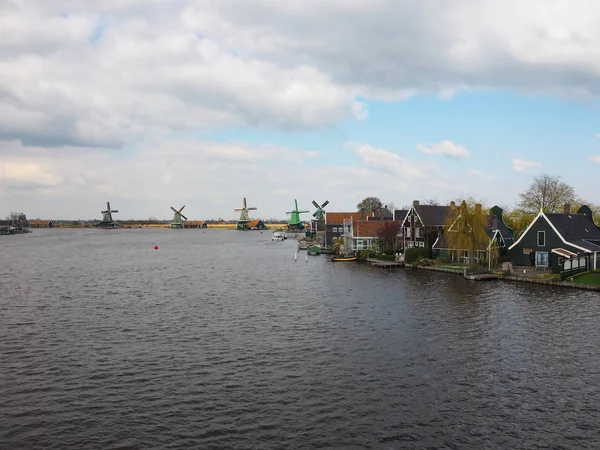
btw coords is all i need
(156, 247)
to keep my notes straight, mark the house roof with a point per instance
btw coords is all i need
(195, 222)
(577, 230)
(563, 252)
(39, 222)
(337, 218)
(433, 215)
(505, 232)
(254, 223)
(400, 214)
(371, 228)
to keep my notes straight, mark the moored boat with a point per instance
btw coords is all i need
(344, 258)
(314, 249)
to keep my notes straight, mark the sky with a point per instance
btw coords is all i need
(150, 104)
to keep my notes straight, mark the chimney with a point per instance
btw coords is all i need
(452, 205)
(363, 214)
(567, 208)
(478, 208)
(415, 202)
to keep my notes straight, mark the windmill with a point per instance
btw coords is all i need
(242, 223)
(319, 216)
(320, 212)
(177, 222)
(107, 218)
(295, 224)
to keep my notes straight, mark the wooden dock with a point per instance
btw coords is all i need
(482, 277)
(382, 263)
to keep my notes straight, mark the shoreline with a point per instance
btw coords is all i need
(517, 278)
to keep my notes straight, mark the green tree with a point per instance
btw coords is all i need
(547, 193)
(517, 219)
(370, 205)
(467, 228)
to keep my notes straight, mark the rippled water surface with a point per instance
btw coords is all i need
(220, 339)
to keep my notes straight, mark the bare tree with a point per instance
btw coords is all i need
(547, 193)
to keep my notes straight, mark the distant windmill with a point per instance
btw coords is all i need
(320, 212)
(107, 218)
(319, 216)
(242, 223)
(177, 218)
(295, 224)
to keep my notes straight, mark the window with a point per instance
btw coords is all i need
(334, 229)
(418, 232)
(527, 251)
(541, 238)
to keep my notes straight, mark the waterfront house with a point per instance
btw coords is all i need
(498, 237)
(423, 224)
(364, 234)
(256, 224)
(196, 224)
(41, 224)
(563, 242)
(334, 225)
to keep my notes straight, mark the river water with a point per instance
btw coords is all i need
(220, 339)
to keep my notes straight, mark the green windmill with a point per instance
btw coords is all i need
(295, 224)
(242, 223)
(318, 223)
(320, 212)
(177, 218)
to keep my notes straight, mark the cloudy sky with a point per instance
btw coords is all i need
(159, 103)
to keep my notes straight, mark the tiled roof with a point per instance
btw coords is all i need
(577, 229)
(370, 228)
(433, 215)
(195, 222)
(400, 214)
(337, 218)
(39, 222)
(253, 223)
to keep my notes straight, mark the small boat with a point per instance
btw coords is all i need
(345, 258)
(314, 249)
(277, 236)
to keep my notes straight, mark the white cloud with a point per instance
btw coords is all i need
(595, 159)
(446, 148)
(113, 98)
(520, 165)
(113, 72)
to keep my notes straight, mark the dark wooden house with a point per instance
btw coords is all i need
(564, 242)
(423, 224)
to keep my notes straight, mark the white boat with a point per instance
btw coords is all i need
(277, 236)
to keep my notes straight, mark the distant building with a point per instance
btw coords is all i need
(41, 224)
(256, 224)
(196, 224)
(334, 225)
